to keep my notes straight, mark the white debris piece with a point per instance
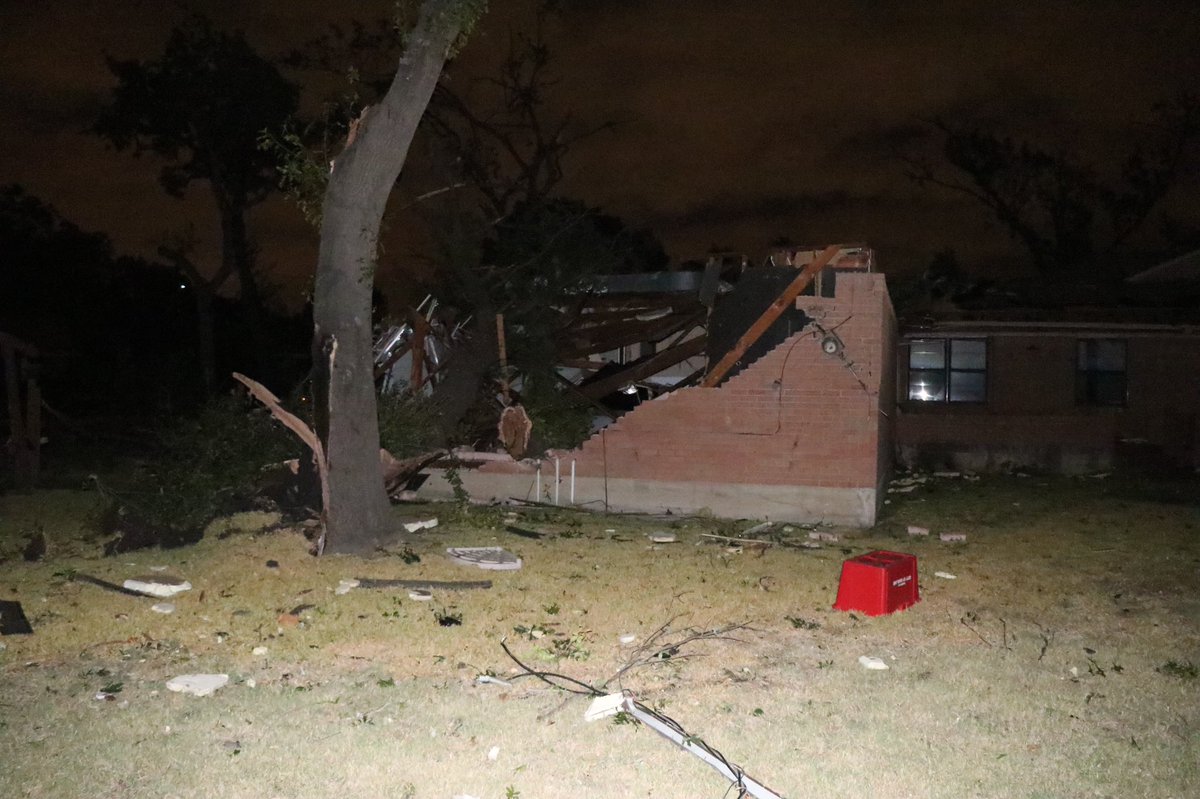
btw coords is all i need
(663, 538)
(494, 753)
(161, 586)
(413, 523)
(490, 558)
(420, 595)
(258, 651)
(627, 639)
(604, 706)
(915, 530)
(875, 664)
(953, 538)
(487, 679)
(945, 575)
(345, 586)
(198, 684)
(162, 607)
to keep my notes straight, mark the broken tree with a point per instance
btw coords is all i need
(359, 185)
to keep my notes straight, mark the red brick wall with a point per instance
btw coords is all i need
(1031, 417)
(795, 417)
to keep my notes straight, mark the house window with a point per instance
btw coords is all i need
(1100, 372)
(947, 370)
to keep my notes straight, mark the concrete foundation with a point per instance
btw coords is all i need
(803, 504)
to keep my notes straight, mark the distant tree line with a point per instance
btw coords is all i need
(117, 333)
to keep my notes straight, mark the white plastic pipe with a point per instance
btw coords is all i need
(556, 479)
(572, 481)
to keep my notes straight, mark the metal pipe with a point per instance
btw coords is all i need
(693, 745)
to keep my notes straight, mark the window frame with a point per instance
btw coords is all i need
(947, 370)
(1087, 388)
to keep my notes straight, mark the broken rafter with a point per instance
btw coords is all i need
(600, 314)
(773, 312)
(643, 369)
(584, 364)
(578, 344)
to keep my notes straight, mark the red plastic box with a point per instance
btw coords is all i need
(878, 583)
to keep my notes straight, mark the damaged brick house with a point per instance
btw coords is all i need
(814, 410)
(801, 431)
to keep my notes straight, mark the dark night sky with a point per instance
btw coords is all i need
(742, 121)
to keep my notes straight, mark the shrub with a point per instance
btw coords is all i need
(209, 464)
(407, 425)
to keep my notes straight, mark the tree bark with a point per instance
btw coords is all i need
(356, 518)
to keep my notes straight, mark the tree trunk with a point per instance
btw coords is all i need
(356, 520)
(204, 331)
(237, 257)
(205, 290)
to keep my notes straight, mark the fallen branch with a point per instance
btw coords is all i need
(545, 676)
(302, 431)
(665, 644)
(965, 623)
(738, 540)
(442, 585)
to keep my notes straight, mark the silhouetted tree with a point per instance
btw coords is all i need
(111, 325)
(202, 106)
(1065, 214)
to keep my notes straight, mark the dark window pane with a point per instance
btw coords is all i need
(1101, 376)
(927, 355)
(1110, 356)
(1105, 355)
(968, 387)
(968, 353)
(926, 385)
(1106, 388)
